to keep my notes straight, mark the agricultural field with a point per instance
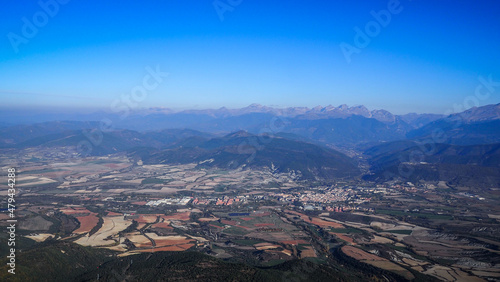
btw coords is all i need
(252, 216)
(377, 261)
(106, 235)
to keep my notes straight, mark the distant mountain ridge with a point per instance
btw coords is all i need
(318, 112)
(338, 126)
(242, 149)
(478, 114)
(104, 143)
(466, 143)
(478, 125)
(473, 165)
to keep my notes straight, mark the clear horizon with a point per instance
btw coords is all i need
(87, 55)
(23, 110)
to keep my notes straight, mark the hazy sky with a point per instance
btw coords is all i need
(425, 58)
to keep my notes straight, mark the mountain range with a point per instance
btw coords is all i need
(317, 112)
(475, 166)
(314, 142)
(241, 149)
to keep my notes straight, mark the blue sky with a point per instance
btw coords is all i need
(277, 53)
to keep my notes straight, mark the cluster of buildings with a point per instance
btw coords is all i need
(175, 201)
(334, 209)
(224, 201)
(345, 198)
(326, 196)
